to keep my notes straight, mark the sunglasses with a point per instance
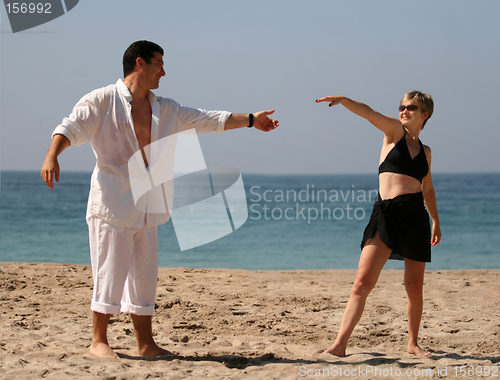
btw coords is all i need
(411, 107)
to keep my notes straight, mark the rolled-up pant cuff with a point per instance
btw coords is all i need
(137, 310)
(104, 308)
(123, 308)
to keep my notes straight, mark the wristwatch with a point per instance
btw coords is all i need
(250, 117)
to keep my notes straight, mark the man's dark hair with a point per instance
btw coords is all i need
(144, 49)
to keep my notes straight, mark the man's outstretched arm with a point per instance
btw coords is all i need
(50, 166)
(261, 121)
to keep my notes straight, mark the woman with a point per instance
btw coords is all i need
(399, 225)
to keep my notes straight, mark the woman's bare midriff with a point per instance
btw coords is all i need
(392, 185)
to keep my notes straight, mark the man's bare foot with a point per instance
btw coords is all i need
(102, 350)
(153, 351)
(336, 350)
(418, 352)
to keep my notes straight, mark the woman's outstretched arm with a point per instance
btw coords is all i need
(386, 124)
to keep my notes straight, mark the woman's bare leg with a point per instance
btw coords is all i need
(414, 281)
(373, 258)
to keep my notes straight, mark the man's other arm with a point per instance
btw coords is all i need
(50, 166)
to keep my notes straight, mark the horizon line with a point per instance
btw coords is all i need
(273, 173)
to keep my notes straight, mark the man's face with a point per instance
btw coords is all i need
(154, 71)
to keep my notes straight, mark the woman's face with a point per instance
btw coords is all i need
(410, 113)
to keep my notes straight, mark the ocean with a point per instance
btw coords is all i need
(294, 222)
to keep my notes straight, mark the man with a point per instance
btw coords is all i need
(120, 120)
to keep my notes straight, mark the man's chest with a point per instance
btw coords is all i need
(141, 116)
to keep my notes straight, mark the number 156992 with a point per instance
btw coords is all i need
(28, 7)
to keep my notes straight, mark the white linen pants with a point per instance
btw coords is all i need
(124, 266)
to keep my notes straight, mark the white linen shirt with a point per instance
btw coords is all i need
(104, 117)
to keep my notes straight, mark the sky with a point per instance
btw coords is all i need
(247, 56)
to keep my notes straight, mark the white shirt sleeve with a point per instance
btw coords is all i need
(83, 122)
(202, 120)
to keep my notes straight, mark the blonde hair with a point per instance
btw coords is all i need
(424, 100)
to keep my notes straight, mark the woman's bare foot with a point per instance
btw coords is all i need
(153, 351)
(102, 350)
(418, 352)
(336, 350)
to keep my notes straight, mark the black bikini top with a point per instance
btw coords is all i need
(399, 161)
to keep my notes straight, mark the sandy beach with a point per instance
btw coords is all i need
(239, 324)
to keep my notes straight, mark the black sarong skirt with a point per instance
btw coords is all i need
(403, 225)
